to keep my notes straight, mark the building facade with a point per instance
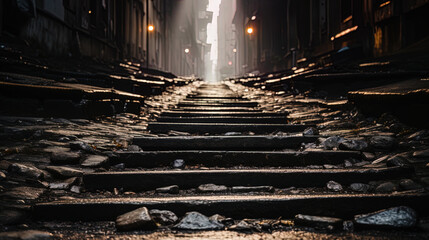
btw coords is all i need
(289, 33)
(111, 29)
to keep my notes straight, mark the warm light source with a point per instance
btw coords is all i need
(234, 50)
(150, 28)
(230, 63)
(253, 18)
(89, 11)
(186, 50)
(249, 30)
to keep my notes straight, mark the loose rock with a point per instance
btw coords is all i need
(26, 171)
(163, 217)
(138, 219)
(421, 154)
(64, 172)
(408, 184)
(174, 189)
(386, 187)
(332, 142)
(179, 163)
(197, 221)
(355, 145)
(334, 186)
(417, 136)
(318, 221)
(211, 188)
(232, 133)
(76, 189)
(64, 185)
(348, 226)
(65, 158)
(380, 159)
(397, 217)
(241, 226)
(359, 187)
(79, 145)
(311, 131)
(134, 148)
(396, 161)
(382, 142)
(95, 161)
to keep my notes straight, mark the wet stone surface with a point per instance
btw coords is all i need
(44, 159)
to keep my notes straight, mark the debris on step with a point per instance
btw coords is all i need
(396, 217)
(211, 188)
(334, 186)
(197, 221)
(163, 217)
(138, 219)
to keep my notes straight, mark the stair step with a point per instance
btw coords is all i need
(217, 104)
(214, 97)
(224, 119)
(223, 114)
(279, 178)
(216, 109)
(234, 206)
(257, 142)
(165, 127)
(151, 159)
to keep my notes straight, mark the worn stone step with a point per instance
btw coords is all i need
(194, 96)
(225, 119)
(234, 206)
(257, 142)
(216, 109)
(224, 114)
(151, 159)
(279, 178)
(165, 127)
(217, 104)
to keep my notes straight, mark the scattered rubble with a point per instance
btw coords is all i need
(396, 217)
(174, 189)
(359, 187)
(138, 219)
(211, 188)
(26, 170)
(95, 161)
(179, 163)
(334, 186)
(64, 172)
(62, 158)
(163, 217)
(197, 221)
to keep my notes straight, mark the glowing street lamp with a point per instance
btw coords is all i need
(186, 50)
(249, 30)
(150, 28)
(234, 50)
